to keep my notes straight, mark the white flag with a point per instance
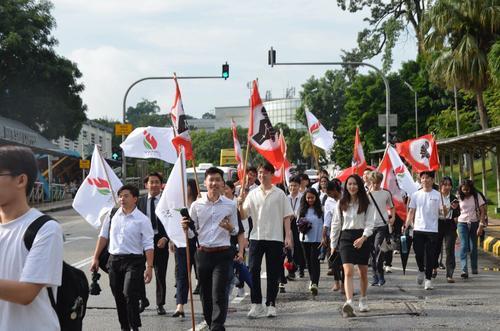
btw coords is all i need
(172, 201)
(319, 135)
(150, 143)
(95, 195)
(403, 176)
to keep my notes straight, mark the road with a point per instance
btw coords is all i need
(400, 304)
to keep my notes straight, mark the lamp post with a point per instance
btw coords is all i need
(272, 62)
(416, 107)
(224, 75)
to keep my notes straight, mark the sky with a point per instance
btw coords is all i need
(116, 42)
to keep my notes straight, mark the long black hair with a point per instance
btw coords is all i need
(472, 189)
(363, 201)
(304, 206)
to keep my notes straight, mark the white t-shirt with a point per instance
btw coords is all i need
(41, 265)
(383, 198)
(426, 205)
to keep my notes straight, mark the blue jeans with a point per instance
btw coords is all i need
(468, 243)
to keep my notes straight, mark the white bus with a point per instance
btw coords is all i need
(200, 171)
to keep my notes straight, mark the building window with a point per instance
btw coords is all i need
(84, 135)
(100, 140)
(92, 138)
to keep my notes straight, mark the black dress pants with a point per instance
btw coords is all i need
(377, 256)
(160, 265)
(447, 232)
(126, 279)
(425, 247)
(311, 251)
(213, 277)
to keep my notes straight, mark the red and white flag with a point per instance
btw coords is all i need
(421, 153)
(284, 171)
(261, 133)
(182, 137)
(237, 151)
(98, 193)
(358, 159)
(319, 135)
(150, 142)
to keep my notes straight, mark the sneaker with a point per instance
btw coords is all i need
(257, 311)
(428, 285)
(322, 256)
(301, 274)
(450, 280)
(381, 280)
(388, 269)
(241, 292)
(282, 288)
(314, 289)
(363, 305)
(271, 311)
(203, 326)
(329, 272)
(464, 275)
(291, 275)
(441, 266)
(420, 278)
(375, 280)
(347, 310)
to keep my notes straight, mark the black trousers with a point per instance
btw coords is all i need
(274, 266)
(298, 252)
(311, 251)
(213, 277)
(425, 247)
(181, 271)
(377, 256)
(126, 279)
(160, 265)
(447, 233)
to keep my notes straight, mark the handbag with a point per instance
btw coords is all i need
(303, 225)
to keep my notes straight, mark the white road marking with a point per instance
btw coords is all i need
(82, 263)
(263, 275)
(407, 269)
(71, 239)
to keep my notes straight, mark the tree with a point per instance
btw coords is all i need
(461, 35)
(386, 22)
(208, 116)
(37, 86)
(309, 151)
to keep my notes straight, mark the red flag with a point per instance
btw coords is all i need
(182, 137)
(284, 171)
(237, 151)
(358, 157)
(261, 133)
(390, 183)
(342, 176)
(421, 153)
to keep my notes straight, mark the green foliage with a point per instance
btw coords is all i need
(145, 113)
(37, 86)
(444, 123)
(208, 116)
(492, 102)
(494, 62)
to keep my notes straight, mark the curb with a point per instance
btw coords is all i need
(492, 245)
(54, 209)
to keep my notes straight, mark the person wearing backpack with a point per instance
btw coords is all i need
(130, 235)
(26, 274)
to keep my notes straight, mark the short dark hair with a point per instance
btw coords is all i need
(304, 177)
(267, 166)
(19, 160)
(431, 174)
(230, 184)
(295, 179)
(191, 183)
(131, 188)
(252, 169)
(153, 174)
(333, 185)
(214, 171)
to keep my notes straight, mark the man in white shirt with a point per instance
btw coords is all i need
(25, 275)
(130, 235)
(271, 212)
(215, 220)
(423, 215)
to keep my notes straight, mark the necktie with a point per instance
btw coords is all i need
(152, 214)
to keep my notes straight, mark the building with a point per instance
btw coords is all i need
(207, 124)
(90, 134)
(224, 115)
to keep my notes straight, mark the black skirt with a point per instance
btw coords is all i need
(348, 253)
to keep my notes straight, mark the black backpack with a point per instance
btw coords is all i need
(73, 293)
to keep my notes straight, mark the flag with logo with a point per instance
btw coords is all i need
(172, 201)
(150, 143)
(282, 173)
(261, 133)
(319, 135)
(237, 150)
(358, 159)
(421, 153)
(97, 194)
(182, 137)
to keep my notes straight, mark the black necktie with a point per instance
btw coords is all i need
(152, 214)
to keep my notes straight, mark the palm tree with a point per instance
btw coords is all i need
(309, 150)
(461, 33)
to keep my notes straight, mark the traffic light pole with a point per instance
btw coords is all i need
(124, 163)
(272, 62)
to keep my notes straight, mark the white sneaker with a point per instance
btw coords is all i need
(420, 278)
(363, 305)
(203, 326)
(271, 311)
(257, 311)
(348, 310)
(428, 285)
(241, 292)
(388, 269)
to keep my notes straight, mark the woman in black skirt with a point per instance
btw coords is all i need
(351, 227)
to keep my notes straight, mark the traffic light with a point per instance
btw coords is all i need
(392, 137)
(116, 153)
(225, 71)
(271, 57)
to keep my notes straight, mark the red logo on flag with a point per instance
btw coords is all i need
(101, 184)
(315, 128)
(149, 141)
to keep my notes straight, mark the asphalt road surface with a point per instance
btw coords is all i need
(400, 304)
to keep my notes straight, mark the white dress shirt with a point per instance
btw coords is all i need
(330, 208)
(207, 215)
(130, 234)
(148, 208)
(352, 221)
(295, 203)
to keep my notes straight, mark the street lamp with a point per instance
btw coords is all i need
(272, 62)
(416, 116)
(224, 75)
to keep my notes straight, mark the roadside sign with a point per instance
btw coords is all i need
(123, 129)
(227, 157)
(84, 164)
(393, 120)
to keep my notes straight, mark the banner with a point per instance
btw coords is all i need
(150, 143)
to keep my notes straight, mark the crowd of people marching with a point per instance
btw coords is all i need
(349, 226)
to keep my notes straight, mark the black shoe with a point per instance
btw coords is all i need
(474, 271)
(197, 289)
(434, 273)
(160, 310)
(178, 314)
(143, 304)
(464, 275)
(301, 274)
(282, 288)
(322, 256)
(291, 275)
(441, 266)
